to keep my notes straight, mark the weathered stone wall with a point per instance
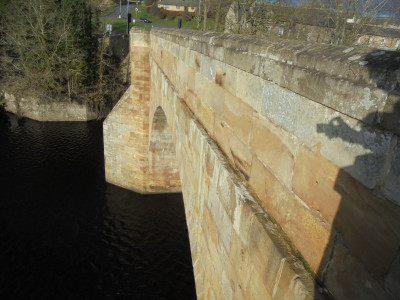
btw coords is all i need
(35, 109)
(269, 130)
(237, 250)
(128, 162)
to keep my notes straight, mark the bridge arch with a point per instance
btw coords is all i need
(163, 165)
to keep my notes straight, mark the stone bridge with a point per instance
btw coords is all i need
(287, 154)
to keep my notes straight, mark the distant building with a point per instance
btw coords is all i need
(179, 6)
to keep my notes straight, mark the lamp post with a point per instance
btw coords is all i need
(198, 15)
(127, 13)
(120, 9)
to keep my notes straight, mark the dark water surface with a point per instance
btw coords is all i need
(67, 234)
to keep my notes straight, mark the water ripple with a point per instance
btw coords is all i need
(66, 234)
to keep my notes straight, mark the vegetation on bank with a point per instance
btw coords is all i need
(3, 5)
(108, 10)
(120, 25)
(158, 17)
(51, 49)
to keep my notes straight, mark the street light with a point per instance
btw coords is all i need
(127, 13)
(198, 15)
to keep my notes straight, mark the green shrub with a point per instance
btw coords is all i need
(187, 17)
(170, 17)
(156, 11)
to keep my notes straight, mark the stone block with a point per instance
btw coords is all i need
(226, 191)
(240, 258)
(207, 67)
(265, 255)
(314, 182)
(222, 135)
(351, 208)
(290, 285)
(243, 59)
(250, 89)
(191, 78)
(223, 223)
(318, 87)
(244, 216)
(204, 114)
(273, 71)
(343, 140)
(238, 115)
(214, 97)
(391, 186)
(255, 288)
(242, 157)
(217, 52)
(226, 285)
(390, 116)
(306, 231)
(226, 77)
(347, 279)
(194, 61)
(392, 279)
(275, 148)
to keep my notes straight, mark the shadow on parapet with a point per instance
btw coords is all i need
(362, 258)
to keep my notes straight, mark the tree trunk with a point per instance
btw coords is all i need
(217, 16)
(205, 15)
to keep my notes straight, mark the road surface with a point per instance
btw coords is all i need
(116, 13)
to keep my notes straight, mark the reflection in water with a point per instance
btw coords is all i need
(66, 234)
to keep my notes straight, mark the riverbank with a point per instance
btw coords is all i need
(38, 110)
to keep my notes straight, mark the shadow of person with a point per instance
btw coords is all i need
(362, 258)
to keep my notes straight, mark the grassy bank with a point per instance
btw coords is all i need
(156, 20)
(120, 25)
(108, 11)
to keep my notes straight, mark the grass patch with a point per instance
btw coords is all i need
(120, 25)
(107, 11)
(174, 23)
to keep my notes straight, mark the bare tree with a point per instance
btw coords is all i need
(50, 45)
(343, 21)
(347, 19)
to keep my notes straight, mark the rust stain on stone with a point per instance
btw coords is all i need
(219, 79)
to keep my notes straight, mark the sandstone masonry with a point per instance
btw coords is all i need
(287, 154)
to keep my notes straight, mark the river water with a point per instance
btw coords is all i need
(67, 234)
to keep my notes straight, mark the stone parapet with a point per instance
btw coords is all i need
(326, 74)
